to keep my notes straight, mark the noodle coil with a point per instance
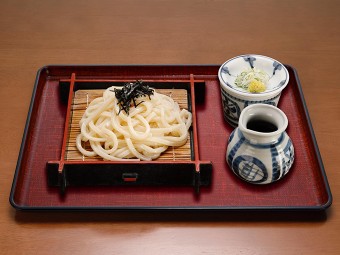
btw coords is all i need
(144, 133)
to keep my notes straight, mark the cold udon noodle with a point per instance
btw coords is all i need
(144, 133)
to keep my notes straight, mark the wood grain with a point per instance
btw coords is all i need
(301, 33)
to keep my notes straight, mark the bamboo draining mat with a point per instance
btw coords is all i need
(84, 97)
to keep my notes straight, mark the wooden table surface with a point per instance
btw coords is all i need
(302, 33)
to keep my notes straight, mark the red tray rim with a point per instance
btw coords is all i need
(316, 208)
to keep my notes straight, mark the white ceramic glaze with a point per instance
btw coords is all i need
(260, 157)
(235, 99)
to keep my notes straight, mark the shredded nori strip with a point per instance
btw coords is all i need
(129, 93)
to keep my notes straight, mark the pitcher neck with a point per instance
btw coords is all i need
(262, 123)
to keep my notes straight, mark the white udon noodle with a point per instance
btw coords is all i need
(143, 134)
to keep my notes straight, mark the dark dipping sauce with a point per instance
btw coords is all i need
(262, 126)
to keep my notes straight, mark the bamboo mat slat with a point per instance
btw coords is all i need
(83, 97)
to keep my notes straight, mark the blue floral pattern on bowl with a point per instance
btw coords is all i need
(277, 72)
(232, 106)
(235, 99)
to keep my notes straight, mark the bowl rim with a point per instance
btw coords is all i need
(248, 95)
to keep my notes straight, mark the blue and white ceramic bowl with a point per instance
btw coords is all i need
(259, 150)
(235, 99)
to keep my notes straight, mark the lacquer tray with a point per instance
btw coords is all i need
(304, 188)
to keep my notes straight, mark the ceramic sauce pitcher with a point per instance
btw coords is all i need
(260, 151)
